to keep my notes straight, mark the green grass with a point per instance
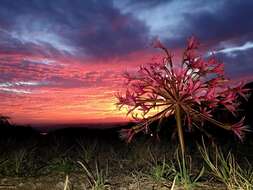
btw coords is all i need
(98, 179)
(64, 165)
(226, 169)
(183, 172)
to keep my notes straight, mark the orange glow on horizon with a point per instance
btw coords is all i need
(91, 101)
(82, 91)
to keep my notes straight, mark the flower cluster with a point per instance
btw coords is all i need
(197, 85)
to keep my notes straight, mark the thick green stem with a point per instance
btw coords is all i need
(180, 130)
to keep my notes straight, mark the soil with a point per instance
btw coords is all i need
(79, 182)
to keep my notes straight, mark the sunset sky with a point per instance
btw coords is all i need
(61, 61)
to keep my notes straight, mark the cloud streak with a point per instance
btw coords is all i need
(230, 50)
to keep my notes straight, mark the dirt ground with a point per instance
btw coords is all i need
(79, 182)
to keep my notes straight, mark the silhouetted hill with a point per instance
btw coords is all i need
(18, 132)
(47, 128)
(68, 132)
(79, 132)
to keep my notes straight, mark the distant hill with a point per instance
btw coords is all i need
(66, 131)
(46, 128)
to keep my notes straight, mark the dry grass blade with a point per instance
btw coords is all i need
(173, 183)
(227, 170)
(90, 176)
(66, 184)
(97, 180)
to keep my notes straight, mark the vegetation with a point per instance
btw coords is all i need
(191, 91)
(112, 164)
(227, 170)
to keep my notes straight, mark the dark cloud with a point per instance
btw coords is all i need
(113, 35)
(230, 24)
(238, 64)
(100, 29)
(231, 20)
(224, 21)
(10, 45)
(89, 28)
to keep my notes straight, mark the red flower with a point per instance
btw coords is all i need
(242, 91)
(239, 129)
(210, 95)
(197, 87)
(206, 112)
(218, 69)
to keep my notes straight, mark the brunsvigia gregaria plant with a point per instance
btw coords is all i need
(191, 91)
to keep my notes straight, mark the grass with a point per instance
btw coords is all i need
(226, 169)
(66, 184)
(184, 174)
(112, 164)
(160, 172)
(173, 172)
(19, 159)
(64, 165)
(86, 150)
(97, 180)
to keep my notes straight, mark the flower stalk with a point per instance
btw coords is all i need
(179, 129)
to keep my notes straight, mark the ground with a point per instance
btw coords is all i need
(42, 162)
